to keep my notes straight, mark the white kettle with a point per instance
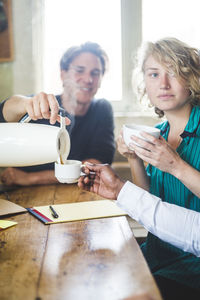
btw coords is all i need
(25, 144)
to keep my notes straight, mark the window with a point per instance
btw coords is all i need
(70, 23)
(178, 19)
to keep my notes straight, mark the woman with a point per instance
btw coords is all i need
(171, 72)
(170, 79)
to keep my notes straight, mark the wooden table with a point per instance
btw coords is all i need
(95, 259)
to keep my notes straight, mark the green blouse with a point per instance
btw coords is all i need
(164, 259)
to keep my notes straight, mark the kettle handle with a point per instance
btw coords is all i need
(26, 118)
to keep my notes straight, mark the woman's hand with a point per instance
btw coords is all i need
(123, 149)
(104, 182)
(157, 152)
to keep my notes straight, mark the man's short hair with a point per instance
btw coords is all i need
(75, 51)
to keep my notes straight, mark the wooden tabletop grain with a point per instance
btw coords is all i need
(94, 259)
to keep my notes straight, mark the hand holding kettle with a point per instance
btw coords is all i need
(40, 106)
(25, 144)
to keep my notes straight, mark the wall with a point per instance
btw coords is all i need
(22, 74)
(6, 80)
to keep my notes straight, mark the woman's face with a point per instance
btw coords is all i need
(83, 80)
(163, 89)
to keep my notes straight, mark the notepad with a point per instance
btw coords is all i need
(70, 212)
(5, 224)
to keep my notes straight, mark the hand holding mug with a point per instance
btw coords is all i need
(123, 149)
(158, 153)
(105, 182)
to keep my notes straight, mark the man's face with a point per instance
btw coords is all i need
(83, 79)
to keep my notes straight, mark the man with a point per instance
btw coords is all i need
(91, 128)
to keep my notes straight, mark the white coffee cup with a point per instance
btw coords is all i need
(133, 129)
(69, 172)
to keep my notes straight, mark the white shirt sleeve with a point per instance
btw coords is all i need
(173, 224)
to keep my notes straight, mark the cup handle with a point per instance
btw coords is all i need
(83, 173)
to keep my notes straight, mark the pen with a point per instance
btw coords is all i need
(53, 212)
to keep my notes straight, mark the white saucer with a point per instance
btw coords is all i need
(72, 180)
(69, 180)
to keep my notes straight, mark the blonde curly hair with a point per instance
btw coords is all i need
(176, 57)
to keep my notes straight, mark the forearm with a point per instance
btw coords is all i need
(41, 177)
(138, 173)
(162, 219)
(14, 108)
(189, 176)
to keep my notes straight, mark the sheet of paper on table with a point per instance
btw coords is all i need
(5, 224)
(9, 208)
(69, 212)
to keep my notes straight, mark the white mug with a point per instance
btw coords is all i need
(133, 129)
(69, 172)
(25, 144)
